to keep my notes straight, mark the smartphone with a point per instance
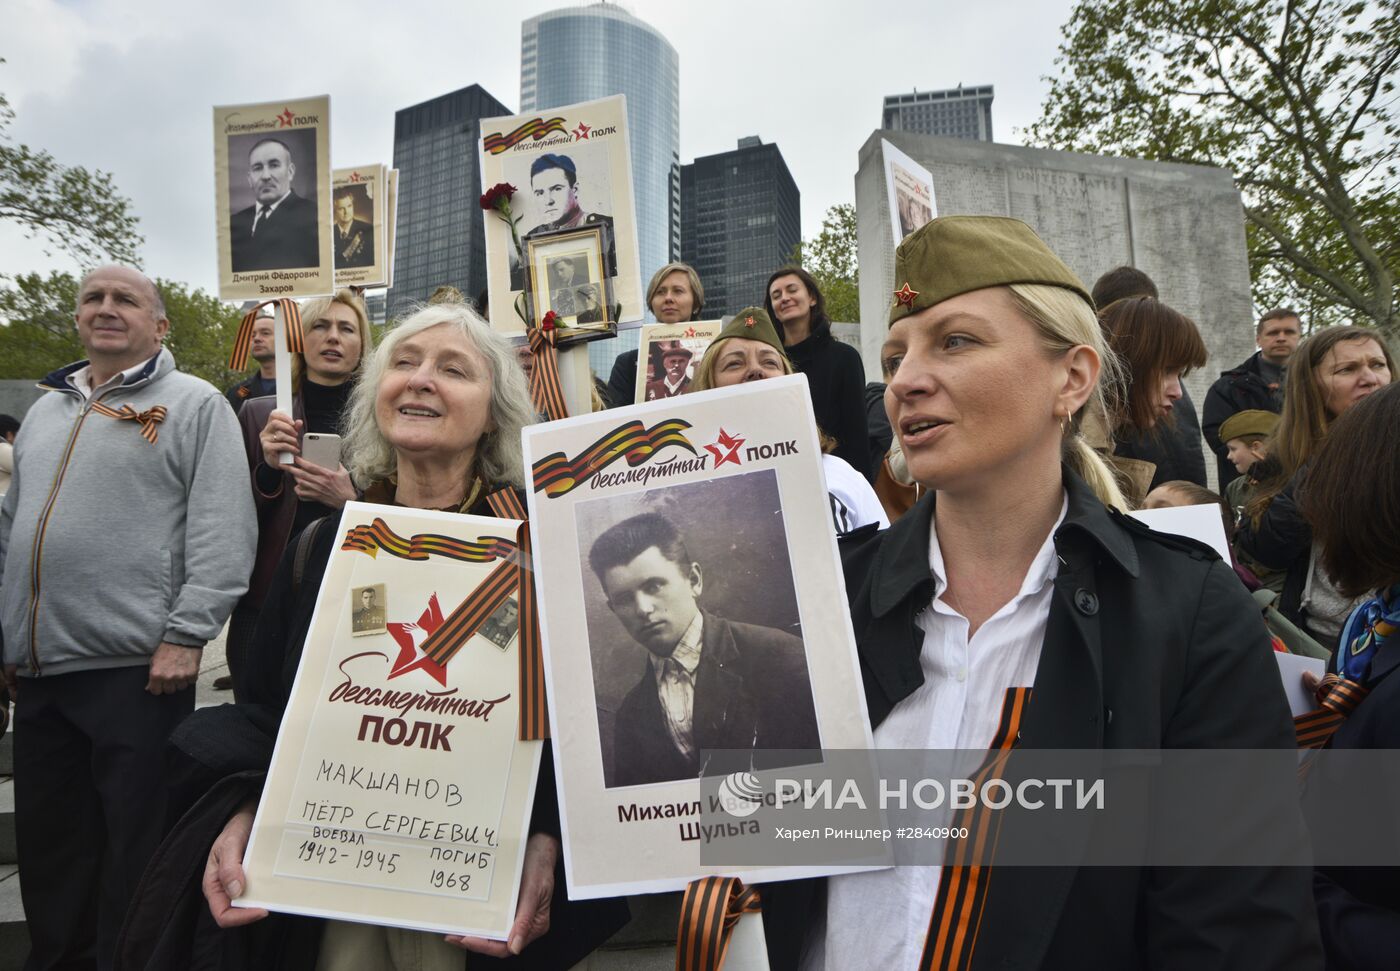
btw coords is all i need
(321, 449)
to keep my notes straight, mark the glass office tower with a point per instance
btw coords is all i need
(742, 219)
(588, 52)
(441, 240)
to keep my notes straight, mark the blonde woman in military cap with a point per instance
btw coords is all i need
(1014, 606)
(749, 349)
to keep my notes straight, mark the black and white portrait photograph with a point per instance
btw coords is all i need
(566, 274)
(273, 200)
(503, 624)
(353, 210)
(367, 610)
(694, 630)
(563, 190)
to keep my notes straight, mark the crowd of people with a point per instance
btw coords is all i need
(997, 594)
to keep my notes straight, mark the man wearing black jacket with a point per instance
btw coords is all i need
(1257, 383)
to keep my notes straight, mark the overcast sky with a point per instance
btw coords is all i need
(127, 86)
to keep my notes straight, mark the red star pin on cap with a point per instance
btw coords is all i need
(905, 296)
(748, 321)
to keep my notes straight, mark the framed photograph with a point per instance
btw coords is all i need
(360, 244)
(568, 275)
(572, 168)
(273, 199)
(694, 624)
(910, 188)
(399, 791)
(670, 353)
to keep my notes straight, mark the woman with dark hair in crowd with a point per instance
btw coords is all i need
(748, 349)
(674, 295)
(1351, 495)
(1157, 346)
(1011, 572)
(336, 338)
(835, 375)
(1329, 372)
(434, 424)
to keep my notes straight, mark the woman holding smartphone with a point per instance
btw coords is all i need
(335, 338)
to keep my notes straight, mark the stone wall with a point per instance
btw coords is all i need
(1183, 225)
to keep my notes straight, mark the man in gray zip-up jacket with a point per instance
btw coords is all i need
(125, 540)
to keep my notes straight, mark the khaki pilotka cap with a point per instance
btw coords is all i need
(1251, 423)
(752, 324)
(952, 255)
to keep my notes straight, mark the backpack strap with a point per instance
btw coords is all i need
(305, 541)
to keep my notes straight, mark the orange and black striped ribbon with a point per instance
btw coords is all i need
(148, 419)
(710, 910)
(546, 393)
(534, 716)
(378, 536)
(558, 475)
(506, 504)
(1339, 698)
(962, 891)
(535, 128)
(243, 343)
(444, 643)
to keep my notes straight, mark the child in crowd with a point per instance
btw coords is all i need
(1246, 437)
(1247, 443)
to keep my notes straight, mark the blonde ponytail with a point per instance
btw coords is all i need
(1089, 465)
(1064, 321)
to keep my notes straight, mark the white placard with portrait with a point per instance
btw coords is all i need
(693, 530)
(571, 168)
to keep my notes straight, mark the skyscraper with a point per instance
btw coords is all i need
(583, 53)
(440, 237)
(956, 113)
(741, 218)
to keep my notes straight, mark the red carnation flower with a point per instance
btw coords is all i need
(498, 196)
(551, 319)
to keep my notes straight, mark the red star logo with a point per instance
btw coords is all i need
(726, 449)
(285, 118)
(410, 636)
(689, 332)
(905, 296)
(581, 132)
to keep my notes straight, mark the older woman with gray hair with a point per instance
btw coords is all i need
(434, 423)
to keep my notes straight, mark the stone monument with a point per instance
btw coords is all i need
(1182, 225)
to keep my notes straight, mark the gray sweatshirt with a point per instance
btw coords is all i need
(111, 543)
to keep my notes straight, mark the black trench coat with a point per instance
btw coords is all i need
(1152, 642)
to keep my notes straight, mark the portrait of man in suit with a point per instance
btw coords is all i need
(279, 230)
(354, 238)
(709, 682)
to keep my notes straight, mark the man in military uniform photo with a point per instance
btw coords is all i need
(354, 238)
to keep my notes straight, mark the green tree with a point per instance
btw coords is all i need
(39, 335)
(1298, 99)
(831, 259)
(76, 210)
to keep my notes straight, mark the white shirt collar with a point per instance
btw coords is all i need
(81, 379)
(273, 208)
(687, 652)
(1042, 569)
